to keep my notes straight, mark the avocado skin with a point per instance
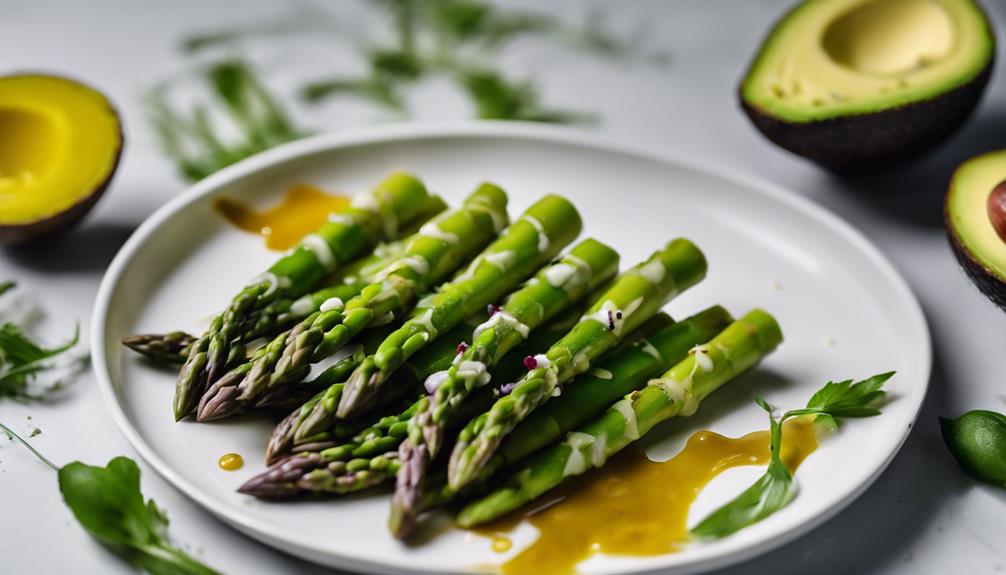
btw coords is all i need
(11, 234)
(847, 143)
(991, 285)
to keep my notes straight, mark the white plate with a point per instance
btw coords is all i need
(845, 312)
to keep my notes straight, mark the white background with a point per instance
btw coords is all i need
(922, 516)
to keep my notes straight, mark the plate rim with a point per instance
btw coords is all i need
(402, 132)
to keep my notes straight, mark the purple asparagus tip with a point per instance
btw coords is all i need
(221, 399)
(414, 461)
(280, 480)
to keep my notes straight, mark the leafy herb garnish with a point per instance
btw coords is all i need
(243, 104)
(497, 98)
(776, 488)
(109, 505)
(22, 360)
(459, 41)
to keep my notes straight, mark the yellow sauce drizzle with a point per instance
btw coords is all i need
(231, 461)
(501, 543)
(304, 209)
(634, 506)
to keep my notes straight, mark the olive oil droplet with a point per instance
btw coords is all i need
(231, 461)
(501, 543)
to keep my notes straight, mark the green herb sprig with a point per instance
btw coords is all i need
(109, 505)
(241, 100)
(22, 359)
(459, 41)
(776, 488)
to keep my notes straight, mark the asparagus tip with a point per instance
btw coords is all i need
(466, 463)
(279, 481)
(359, 391)
(281, 439)
(414, 460)
(221, 400)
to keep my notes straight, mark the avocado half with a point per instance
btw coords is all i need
(60, 143)
(975, 218)
(855, 83)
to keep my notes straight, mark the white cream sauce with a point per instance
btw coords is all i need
(543, 242)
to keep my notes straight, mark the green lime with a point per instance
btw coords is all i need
(977, 441)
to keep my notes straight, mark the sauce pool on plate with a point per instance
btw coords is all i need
(304, 209)
(634, 506)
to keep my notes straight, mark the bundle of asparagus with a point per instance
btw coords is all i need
(369, 218)
(523, 369)
(431, 254)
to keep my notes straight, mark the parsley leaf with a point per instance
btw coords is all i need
(847, 399)
(776, 488)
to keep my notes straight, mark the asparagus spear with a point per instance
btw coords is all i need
(635, 297)
(535, 238)
(350, 232)
(434, 252)
(173, 347)
(343, 470)
(587, 266)
(166, 348)
(346, 283)
(678, 392)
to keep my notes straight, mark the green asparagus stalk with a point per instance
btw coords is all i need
(635, 297)
(168, 348)
(173, 348)
(535, 238)
(316, 465)
(677, 392)
(370, 217)
(588, 265)
(346, 283)
(430, 255)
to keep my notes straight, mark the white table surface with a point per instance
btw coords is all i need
(922, 516)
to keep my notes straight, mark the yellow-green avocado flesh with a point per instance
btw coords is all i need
(855, 82)
(979, 249)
